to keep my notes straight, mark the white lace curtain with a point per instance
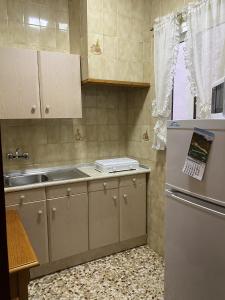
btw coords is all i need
(204, 55)
(205, 50)
(166, 41)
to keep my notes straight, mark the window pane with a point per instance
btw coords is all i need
(183, 102)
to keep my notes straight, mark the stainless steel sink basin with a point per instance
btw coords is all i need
(42, 175)
(11, 181)
(65, 174)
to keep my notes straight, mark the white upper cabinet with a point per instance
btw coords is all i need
(19, 86)
(39, 84)
(60, 88)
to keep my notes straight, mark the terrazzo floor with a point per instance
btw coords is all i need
(133, 274)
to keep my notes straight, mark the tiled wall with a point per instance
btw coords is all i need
(114, 39)
(44, 25)
(37, 24)
(138, 146)
(101, 133)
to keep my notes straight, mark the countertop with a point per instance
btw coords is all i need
(20, 252)
(89, 169)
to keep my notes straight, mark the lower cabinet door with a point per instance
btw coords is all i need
(34, 218)
(103, 218)
(68, 226)
(132, 211)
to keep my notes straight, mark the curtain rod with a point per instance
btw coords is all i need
(179, 14)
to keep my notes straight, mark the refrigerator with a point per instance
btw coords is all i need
(195, 216)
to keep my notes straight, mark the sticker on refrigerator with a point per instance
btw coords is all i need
(198, 153)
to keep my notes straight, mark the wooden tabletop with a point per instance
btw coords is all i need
(20, 252)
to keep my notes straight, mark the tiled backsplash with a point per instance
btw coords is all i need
(101, 133)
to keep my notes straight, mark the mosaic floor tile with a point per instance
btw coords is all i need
(133, 274)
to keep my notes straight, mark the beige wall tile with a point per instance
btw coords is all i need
(16, 11)
(48, 38)
(109, 68)
(110, 46)
(3, 12)
(124, 22)
(124, 7)
(102, 116)
(95, 5)
(95, 22)
(92, 133)
(62, 41)
(110, 6)
(110, 23)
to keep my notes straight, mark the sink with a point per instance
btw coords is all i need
(25, 179)
(19, 179)
(65, 174)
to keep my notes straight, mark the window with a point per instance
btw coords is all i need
(183, 103)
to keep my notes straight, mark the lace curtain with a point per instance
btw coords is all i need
(205, 50)
(166, 41)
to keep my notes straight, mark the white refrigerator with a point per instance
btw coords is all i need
(195, 217)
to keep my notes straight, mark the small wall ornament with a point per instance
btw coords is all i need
(96, 49)
(146, 136)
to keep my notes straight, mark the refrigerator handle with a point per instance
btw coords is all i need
(190, 203)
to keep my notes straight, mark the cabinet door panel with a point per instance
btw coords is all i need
(103, 218)
(19, 86)
(68, 226)
(132, 211)
(60, 85)
(34, 219)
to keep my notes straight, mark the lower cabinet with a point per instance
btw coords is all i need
(103, 218)
(68, 226)
(132, 211)
(33, 216)
(82, 216)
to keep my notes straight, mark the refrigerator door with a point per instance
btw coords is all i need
(212, 187)
(194, 249)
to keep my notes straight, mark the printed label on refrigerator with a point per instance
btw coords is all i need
(198, 153)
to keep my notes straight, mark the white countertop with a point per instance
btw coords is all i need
(88, 169)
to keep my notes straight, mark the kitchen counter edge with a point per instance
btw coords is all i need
(89, 170)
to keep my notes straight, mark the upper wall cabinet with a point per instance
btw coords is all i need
(19, 87)
(115, 41)
(39, 84)
(60, 91)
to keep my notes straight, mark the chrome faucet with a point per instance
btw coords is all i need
(17, 155)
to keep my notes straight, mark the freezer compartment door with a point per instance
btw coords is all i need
(194, 249)
(212, 187)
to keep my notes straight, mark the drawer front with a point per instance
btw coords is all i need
(26, 196)
(66, 190)
(103, 184)
(133, 180)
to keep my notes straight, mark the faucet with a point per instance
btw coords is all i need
(17, 155)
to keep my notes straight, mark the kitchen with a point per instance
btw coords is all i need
(111, 116)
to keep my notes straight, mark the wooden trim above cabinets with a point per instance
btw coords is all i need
(131, 84)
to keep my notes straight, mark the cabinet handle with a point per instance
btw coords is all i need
(68, 191)
(22, 197)
(114, 197)
(105, 184)
(134, 180)
(125, 196)
(54, 209)
(40, 212)
(47, 109)
(33, 109)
